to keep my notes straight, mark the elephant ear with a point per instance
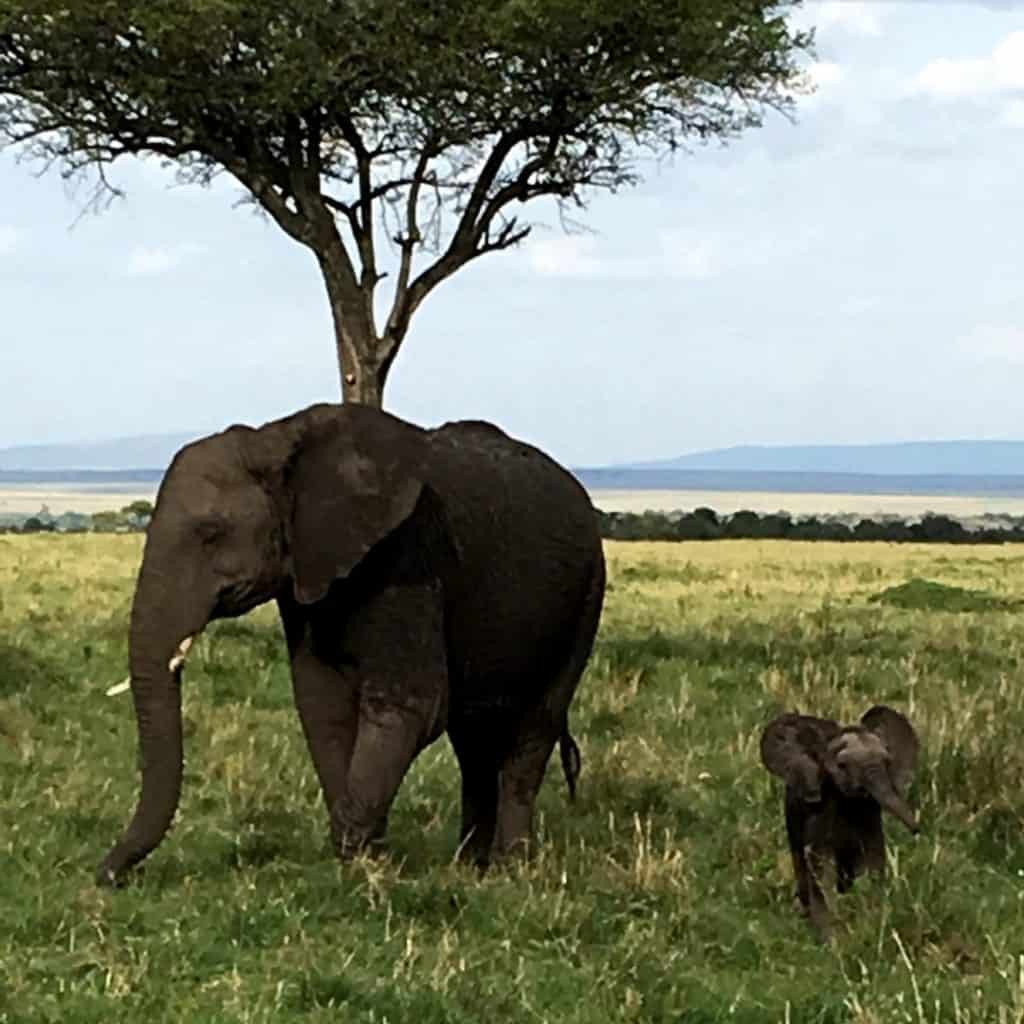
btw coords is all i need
(900, 740)
(350, 489)
(792, 747)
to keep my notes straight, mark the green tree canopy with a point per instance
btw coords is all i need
(425, 123)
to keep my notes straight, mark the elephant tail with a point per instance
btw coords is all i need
(572, 764)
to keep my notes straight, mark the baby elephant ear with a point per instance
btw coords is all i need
(899, 738)
(788, 749)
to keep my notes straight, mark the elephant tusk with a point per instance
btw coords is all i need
(177, 660)
(179, 656)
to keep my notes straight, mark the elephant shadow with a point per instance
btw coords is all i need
(423, 830)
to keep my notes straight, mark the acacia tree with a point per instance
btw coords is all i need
(427, 123)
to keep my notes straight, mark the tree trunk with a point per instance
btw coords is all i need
(363, 357)
(360, 382)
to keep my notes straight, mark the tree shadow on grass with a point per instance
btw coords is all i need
(20, 671)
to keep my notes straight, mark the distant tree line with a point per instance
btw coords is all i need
(707, 524)
(700, 524)
(131, 518)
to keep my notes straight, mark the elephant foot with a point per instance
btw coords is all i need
(349, 845)
(519, 852)
(821, 923)
(476, 846)
(472, 857)
(481, 862)
(375, 847)
(355, 834)
(376, 844)
(351, 842)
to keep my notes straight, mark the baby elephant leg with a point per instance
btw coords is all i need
(817, 907)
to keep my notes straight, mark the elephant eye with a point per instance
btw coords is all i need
(210, 530)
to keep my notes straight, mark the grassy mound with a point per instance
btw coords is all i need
(931, 596)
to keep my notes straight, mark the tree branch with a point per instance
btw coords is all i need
(347, 210)
(520, 187)
(362, 226)
(464, 242)
(408, 244)
(260, 185)
(485, 180)
(472, 237)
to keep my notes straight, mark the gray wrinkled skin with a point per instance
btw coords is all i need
(428, 581)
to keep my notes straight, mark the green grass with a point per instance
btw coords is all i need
(663, 895)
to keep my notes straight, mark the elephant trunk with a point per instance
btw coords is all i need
(156, 660)
(882, 789)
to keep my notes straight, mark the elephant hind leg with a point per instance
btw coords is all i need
(479, 764)
(545, 724)
(534, 739)
(521, 778)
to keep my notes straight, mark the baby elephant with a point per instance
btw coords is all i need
(838, 781)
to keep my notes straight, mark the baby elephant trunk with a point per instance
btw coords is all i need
(882, 789)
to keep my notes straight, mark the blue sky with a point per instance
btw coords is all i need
(855, 277)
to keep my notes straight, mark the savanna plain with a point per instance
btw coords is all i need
(663, 894)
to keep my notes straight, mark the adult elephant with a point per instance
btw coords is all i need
(426, 579)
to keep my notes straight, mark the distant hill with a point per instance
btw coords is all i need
(913, 458)
(146, 452)
(769, 481)
(919, 467)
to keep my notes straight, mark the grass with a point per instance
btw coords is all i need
(663, 895)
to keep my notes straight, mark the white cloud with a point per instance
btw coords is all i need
(825, 73)
(999, 342)
(674, 254)
(859, 18)
(822, 76)
(849, 16)
(855, 305)
(684, 258)
(950, 78)
(1013, 113)
(571, 256)
(146, 260)
(578, 256)
(8, 239)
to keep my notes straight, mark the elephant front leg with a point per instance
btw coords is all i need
(328, 706)
(387, 741)
(817, 907)
(397, 647)
(802, 875)
(808, 864)
(849, 864)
